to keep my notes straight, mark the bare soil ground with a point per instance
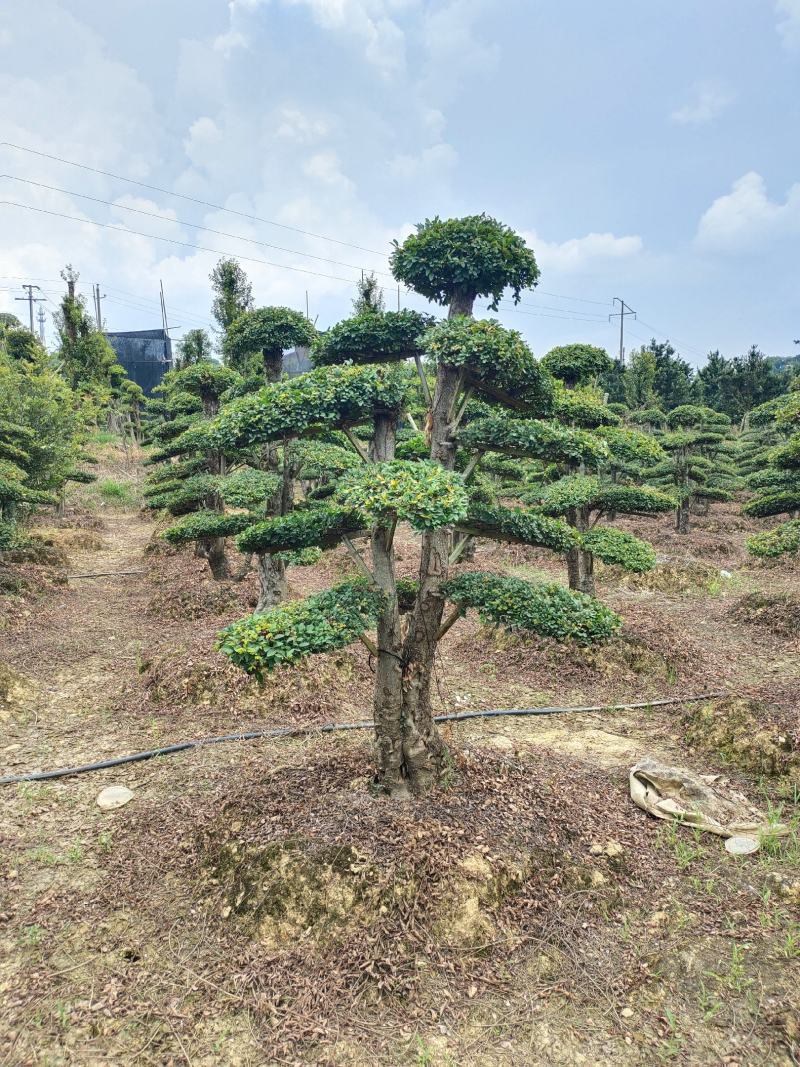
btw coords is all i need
(256, 904)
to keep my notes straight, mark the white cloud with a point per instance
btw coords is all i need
(710, 99)
(300, 127)
(789, 22)
(579, 253)
(370, 22)
(325, 167)
(204, 137)
(746, 218)
(430, 163)
(227, 43)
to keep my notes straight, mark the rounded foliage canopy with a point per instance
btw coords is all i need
(371, 338)
(423, 494)
(270, 330)
(578, 363)
(472, 256)
(495, 359)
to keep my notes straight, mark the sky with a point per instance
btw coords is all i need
(646, 151)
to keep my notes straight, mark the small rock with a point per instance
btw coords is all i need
(726, 574)
(613, 850)
(596, 850)
(627, 1013)
(114, 796)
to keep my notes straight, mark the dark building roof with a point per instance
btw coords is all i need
(146, 355)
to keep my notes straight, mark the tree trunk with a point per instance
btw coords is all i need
(682, 516)
(212, 549)
(388, 696)
(272, 580)
(424, 754)
(580, 563)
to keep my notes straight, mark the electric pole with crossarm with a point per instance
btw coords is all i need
(31, 300)
(624, 310)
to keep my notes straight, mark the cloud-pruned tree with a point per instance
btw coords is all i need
(362, 381)
(776, 479)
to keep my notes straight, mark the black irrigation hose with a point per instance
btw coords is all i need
(329, 728)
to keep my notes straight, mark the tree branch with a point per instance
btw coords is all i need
(457, 552)
(426, 389)
(448, 622)
(470, 467)
(358, 558)
(369, 644)
(351, 437)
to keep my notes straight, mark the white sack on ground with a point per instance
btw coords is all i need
(704, 801)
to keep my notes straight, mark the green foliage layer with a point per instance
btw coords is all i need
(300, 628)
(546, 609)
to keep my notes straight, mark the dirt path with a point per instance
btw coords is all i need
(117, 947)
(75, 653)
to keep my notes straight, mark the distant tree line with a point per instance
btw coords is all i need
(657, 377)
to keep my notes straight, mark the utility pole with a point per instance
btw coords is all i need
(624, 309)
(41, 318)
(163, 310)
(98, 310)
(31, 300)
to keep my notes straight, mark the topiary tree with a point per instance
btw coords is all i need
(600, 480)
(41, 430)
(360, 381)
(696, 468)
(776, 475)
(257, 340)
(190, 471)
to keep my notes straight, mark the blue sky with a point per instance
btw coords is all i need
(648, 151)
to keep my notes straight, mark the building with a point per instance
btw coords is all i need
(298, 361)
(146, 355)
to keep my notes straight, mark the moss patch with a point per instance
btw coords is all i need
(746, 735)
(15, 690)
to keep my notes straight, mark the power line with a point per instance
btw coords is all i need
(173, 241)
(191, 199)
(219, 252)
(192, 225)
(266, 244)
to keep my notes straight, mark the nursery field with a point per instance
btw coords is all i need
(255, 903)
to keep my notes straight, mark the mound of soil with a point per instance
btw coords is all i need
(747, 734)
(779, 614)
(672, 576)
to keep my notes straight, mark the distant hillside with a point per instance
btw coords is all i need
(782, 362)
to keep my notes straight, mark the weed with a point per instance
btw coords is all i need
(790, 950)
(672, 1044)
(709, 1004)
(736, 976)
(105, 841)
(44, 856)
(113, 492)
(31, 935)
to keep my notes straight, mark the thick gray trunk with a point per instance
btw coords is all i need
(682, 517)
(271, 580)
(212, 549)
(580, 563)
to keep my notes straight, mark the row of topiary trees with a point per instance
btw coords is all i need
(772, 465)
(486, 398)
